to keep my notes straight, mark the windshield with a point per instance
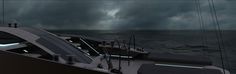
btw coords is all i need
(59, 46)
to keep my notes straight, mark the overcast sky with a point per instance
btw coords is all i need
(118, 14)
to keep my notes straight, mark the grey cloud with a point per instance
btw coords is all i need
(117, 14)
(57, 13)
(154, 14)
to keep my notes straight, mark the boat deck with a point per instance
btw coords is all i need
(175, 69)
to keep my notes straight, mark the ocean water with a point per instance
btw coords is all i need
(175, 41)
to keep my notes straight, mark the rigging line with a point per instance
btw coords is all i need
(3, 12)
(119, 46)
(220, 31)
(129, 48)
(134, 41)
(217, 30)
(203, 24)
(202, 28)
(217, 35)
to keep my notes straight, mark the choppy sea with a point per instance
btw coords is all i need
(190, 42)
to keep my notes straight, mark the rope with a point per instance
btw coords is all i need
(202, 27)
(219, 35)
(220, 31)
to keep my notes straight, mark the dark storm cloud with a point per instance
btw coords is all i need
(53, 13)
(176, 14)
(117, 14)
(152, 14)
